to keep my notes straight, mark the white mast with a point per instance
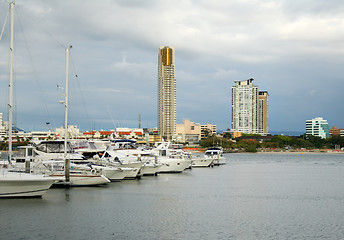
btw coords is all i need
(10, 103)
(67, 161)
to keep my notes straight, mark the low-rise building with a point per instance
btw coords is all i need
(336, 131)
(72, 130)
(318, 127)
(193, 132)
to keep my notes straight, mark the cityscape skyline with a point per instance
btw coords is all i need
(293, 49)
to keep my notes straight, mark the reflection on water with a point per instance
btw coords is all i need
(254, 196)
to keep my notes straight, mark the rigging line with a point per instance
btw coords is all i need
(113, 122)
(36, 78)
(3, 27)
(42, 29)
(80, 90)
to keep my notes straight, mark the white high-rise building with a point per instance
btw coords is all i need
(249, 108)
(166, 93)
(318, 127)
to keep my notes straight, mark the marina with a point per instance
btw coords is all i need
(253, 196)
(143, 183)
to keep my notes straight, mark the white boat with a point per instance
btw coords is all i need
(114, 174)
(79, 175)
(21, 185)
(114, 158)
(55, 149)
(125, 150)
(89, 148)
(172, 157)
(26, 161)
(199, 161)
(173, 165)
(13, 184)
(151, 169)
(215, 153)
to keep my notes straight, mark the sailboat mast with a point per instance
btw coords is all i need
(67, 161)
(10, 102)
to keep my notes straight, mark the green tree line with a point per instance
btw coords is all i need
(278, 142)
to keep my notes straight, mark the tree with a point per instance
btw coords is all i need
(206, 133)
(227, 135)
(336, 140)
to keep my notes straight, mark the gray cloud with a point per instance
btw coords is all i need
(292, 49)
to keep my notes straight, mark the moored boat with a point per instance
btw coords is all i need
(16, 184)
(198, 161)
(23, 185)
(215, 153)
(79, 175)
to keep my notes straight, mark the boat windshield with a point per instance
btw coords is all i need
(53, 147)
(21, 152)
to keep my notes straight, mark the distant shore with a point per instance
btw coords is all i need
(310, 151)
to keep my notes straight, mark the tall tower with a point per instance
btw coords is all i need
(166, 93)
(244, 107)
(263, 113)
(250, 108)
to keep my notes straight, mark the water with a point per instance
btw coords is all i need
(254, 196)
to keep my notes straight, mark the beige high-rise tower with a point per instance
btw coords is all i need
(166, 93)
(263, 112)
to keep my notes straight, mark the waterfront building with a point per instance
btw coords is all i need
(42, 135)
(336, 131)
(72, 130)
(193, 132)
(249, 108)
(188, 132)
(166, 93)
(151, 135)
(263, 113)
(318, 127)
(209, 129)
(129, 133)
(235, 134)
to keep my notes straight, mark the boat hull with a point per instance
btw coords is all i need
(135, 171)
(24, 187)
(171, 165)
(83, 180)
(219, 161)
(202, 162)
(120, 174)
(150, 169)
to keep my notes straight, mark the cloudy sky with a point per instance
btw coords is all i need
(292, 49)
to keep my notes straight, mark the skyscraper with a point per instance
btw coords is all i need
(263, 113)
(166, 93)
(249, 108)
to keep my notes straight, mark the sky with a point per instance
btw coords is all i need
(292, 49)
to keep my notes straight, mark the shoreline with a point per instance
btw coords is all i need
(317, 151)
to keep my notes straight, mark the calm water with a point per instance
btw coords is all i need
(254, 196)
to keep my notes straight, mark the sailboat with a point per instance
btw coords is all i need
(74, 175)
(19, 184)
